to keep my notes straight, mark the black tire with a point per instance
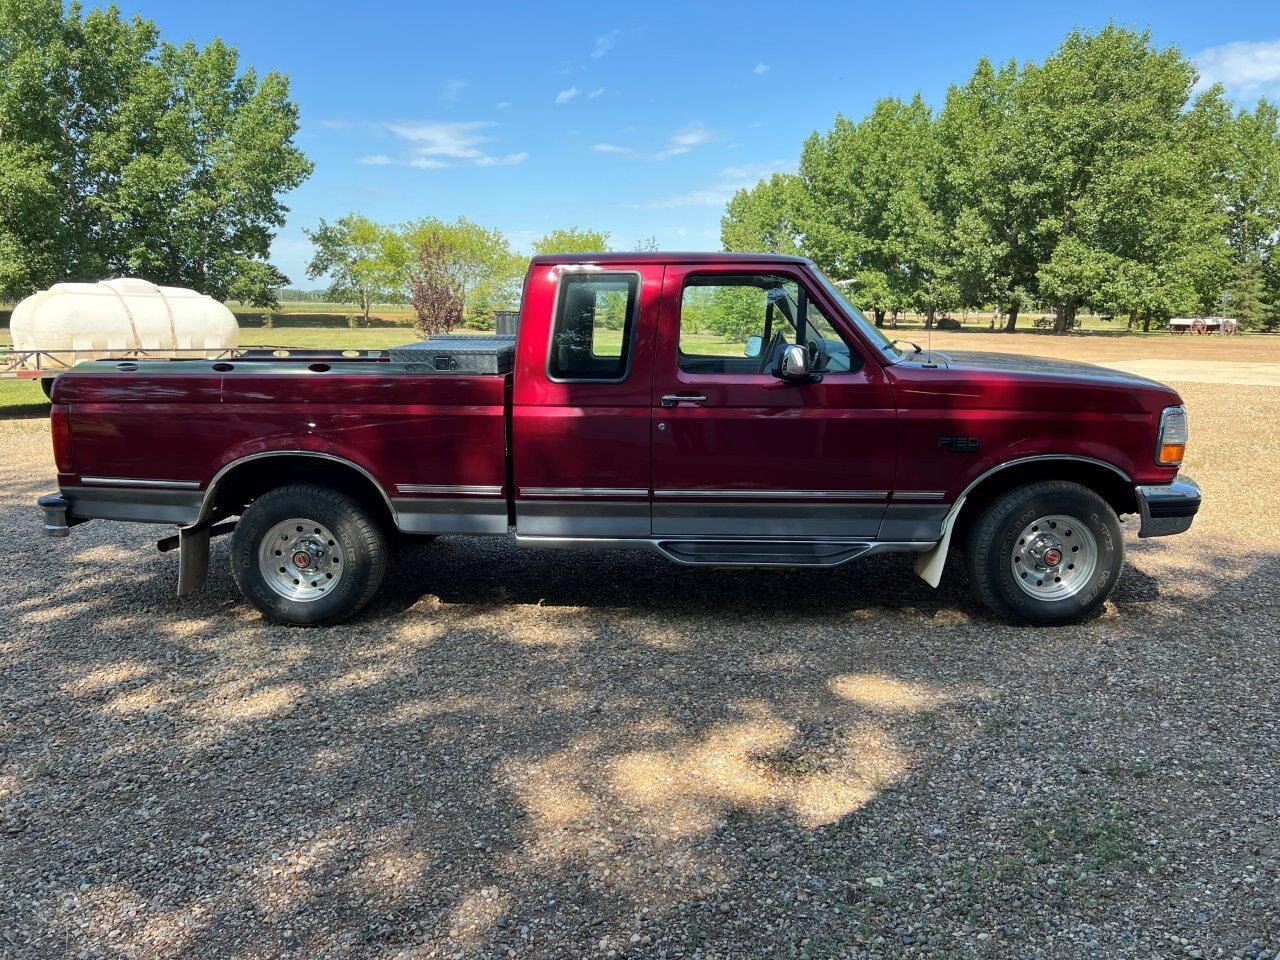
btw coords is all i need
(358, 546)
(994, 539)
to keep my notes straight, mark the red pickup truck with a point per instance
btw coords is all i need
(719, 409)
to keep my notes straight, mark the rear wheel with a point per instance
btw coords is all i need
(1047, 553)
(307, 555)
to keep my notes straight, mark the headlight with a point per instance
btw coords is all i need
(1171, 443)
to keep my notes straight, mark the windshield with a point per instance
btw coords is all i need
(872, 332)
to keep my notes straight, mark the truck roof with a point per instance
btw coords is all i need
(662, 256)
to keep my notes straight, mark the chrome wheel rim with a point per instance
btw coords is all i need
(1054, 557)
(301, 559)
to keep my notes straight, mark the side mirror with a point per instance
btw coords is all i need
(793, 365)
(755, 344)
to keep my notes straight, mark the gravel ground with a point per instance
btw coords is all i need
(577, 754)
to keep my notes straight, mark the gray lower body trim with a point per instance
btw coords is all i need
(465, 515)
(807, 520)
(584, 492)
(139, 482)
(583, 518)
(692, 551)
(708, 494)
(913, 521)
(134, 504)
(448, 488)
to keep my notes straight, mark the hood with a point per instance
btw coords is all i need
(1012, 363)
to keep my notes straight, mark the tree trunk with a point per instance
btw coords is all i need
(1012, 323)
(1146, 323)
(928, 317)
(1133, 320)
(1064, 314)
(364, 306)
(879, 315)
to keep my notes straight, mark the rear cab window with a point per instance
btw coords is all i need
(593, 327)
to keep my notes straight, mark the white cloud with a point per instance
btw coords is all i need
(687, 138)
(1245, 68)
(564, 96)
(604, 44)
(728, 182)
(506, 160)
(502, 104)
(761, 69)
(433, 145)
(613, 148)
(376, 159)
(595, 93)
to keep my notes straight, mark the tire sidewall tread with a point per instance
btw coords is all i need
(363, 543)
(991, 540)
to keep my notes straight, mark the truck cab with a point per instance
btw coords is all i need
(719, 409)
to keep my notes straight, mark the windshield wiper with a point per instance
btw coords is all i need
(914, 346)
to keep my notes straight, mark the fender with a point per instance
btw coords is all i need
(929, 565)
(193, 540)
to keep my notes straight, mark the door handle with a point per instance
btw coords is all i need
(672, 399)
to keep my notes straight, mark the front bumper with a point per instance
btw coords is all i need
(1167, 508)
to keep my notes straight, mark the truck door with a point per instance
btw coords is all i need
(580, 412)
(740, 453)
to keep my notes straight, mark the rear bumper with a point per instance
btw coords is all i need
(1167, 508)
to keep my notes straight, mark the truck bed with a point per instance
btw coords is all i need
(176, 425)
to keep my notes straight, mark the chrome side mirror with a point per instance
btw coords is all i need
(753, 346)
(793, 364)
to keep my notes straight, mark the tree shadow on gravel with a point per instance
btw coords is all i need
(554, 753)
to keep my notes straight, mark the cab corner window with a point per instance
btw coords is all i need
(735, 323)
(594, 321)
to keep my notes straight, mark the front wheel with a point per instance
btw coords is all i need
(307, 555)
(1047, 553)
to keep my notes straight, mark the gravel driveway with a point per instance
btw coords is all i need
(597, 754)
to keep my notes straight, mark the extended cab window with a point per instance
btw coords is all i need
(595, 316)
(735, 323)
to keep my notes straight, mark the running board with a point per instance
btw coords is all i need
(691, 551)
(763, 553)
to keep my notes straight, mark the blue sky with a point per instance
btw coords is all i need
(639, 119)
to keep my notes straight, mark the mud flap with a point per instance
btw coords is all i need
(193, 558)
(930, 563)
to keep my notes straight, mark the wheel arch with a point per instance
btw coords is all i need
(240, 481)
(1107, 480)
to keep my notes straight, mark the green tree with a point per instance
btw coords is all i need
(365, 261)
(991, 245)
(1106, 169)
(124, 154)
(872, 207)
(484, 270)
(573, 240)
(1246, 296)
(765, 218)
(1249, 184)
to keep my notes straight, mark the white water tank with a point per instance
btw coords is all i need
(84, 321)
